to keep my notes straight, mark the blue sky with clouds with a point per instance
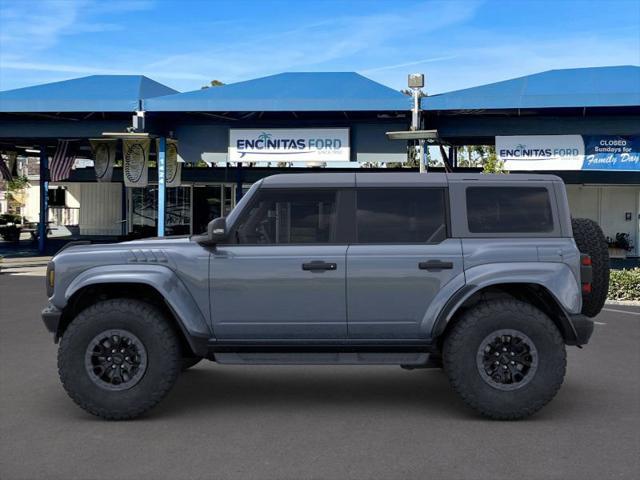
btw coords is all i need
(184, 44)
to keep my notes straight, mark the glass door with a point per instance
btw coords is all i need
(207, 205)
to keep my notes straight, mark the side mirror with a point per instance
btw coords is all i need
(217, 230)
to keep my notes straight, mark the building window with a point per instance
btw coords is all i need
(401, 215)
(284, 217)
(57, 197)
(144, 211)
(178, 218)
(509, 210)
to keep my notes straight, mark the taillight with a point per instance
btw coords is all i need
(586, 273)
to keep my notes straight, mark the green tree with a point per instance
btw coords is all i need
(493, 164)
(213, 83)
(412, 160)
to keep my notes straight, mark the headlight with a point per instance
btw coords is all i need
(50, 278)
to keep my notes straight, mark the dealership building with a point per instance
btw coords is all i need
(210, 145)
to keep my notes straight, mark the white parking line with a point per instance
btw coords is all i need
(621, 311)
(599, 323)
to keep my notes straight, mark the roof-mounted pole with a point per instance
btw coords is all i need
(416, 82)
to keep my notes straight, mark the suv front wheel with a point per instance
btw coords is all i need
(505, 358)
(118, 358)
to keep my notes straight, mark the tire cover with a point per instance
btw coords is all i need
(590, 240)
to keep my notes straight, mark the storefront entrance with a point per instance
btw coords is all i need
(189, 208)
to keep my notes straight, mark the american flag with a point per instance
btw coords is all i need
(62, 161)
(5, 172)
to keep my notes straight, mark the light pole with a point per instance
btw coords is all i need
(416, 83)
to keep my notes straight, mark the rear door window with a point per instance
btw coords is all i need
(509, 210)
(401, 215)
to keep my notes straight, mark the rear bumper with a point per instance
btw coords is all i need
(51, 318)
(583, 327)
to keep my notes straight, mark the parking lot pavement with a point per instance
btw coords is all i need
(315, 422)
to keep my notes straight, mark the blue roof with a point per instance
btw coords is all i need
(289, 92)
(576, 87)
(96, 93)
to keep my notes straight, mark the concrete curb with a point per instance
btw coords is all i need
(631, 303)
(27, 262)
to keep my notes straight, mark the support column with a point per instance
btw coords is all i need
(238, 181)
(124, 209)
(162, 160)
(44, 200)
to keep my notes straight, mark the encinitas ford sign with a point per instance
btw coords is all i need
(289, 145)
(541, 152)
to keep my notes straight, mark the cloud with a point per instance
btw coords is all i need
(409, 64)
(494, 58)
(90, 70)
(354, 41)
(32, 27)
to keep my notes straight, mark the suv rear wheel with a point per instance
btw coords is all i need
(505, 358)
(118, 358)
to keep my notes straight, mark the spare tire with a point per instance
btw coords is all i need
(590, 240)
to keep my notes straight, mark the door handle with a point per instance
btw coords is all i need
(319, 266)
(435, 265)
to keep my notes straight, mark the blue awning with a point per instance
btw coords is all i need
(288, 92)
(577, 87)
(96, 93)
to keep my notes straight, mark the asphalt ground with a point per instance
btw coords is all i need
(324, 422)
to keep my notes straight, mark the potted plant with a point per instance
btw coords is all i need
(10, 227)
(620, 246)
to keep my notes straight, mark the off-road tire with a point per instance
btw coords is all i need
(188, 362)
(157, 335)
(590, 240)
(460, 350)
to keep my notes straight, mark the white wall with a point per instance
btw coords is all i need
(608, 205)
(100, 208)
(31, 209)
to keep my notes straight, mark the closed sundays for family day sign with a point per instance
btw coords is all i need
(289, 145)
(611, 153)
(569, 152)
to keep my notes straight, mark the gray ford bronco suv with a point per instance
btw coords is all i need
(482, 275)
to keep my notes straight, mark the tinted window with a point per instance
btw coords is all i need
(509, 210)
(290, 216)
(401, 215)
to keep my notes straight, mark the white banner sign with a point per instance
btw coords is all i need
(540, 152)
(289, 145)
(104, 157)
(136, 162)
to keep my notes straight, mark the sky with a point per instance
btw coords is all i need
(185, 44)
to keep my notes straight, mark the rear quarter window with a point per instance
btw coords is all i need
(509, 210)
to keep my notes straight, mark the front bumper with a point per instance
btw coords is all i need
(583, 327)
(51, 317)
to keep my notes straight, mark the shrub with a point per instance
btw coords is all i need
(624, 284)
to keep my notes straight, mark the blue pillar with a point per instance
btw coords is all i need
(162, 160)
(44, 200)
